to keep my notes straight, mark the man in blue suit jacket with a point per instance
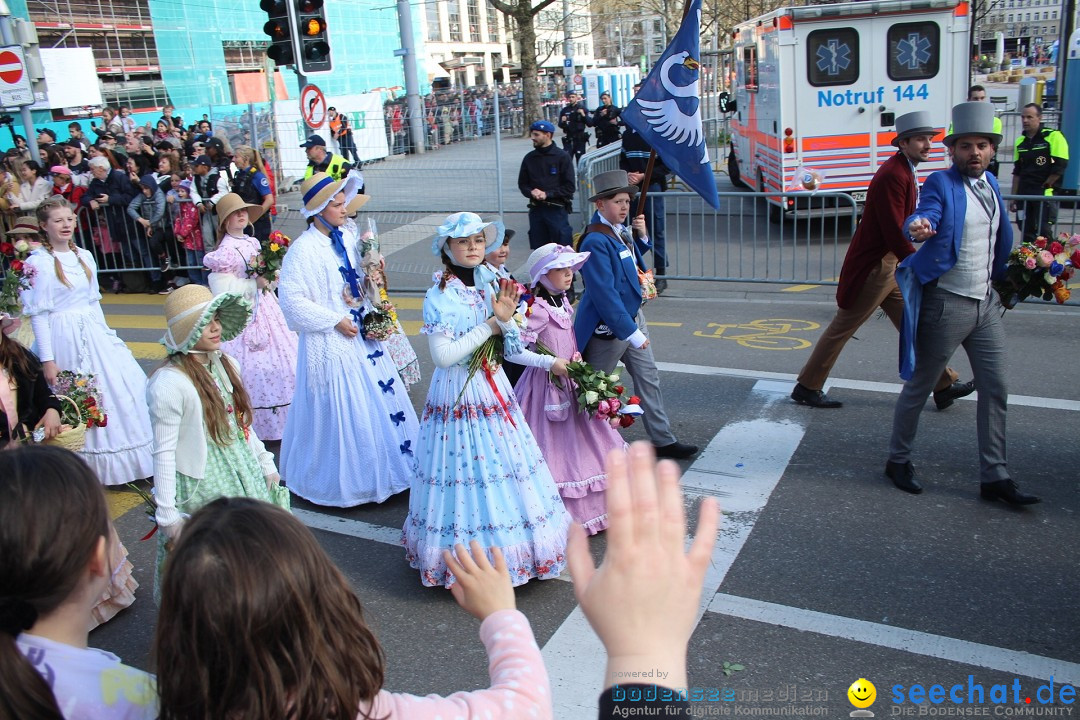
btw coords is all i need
(608, 323)
(948, 300)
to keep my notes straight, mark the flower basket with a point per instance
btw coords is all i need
(73, 439)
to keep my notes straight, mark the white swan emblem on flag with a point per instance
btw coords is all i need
(666, 117)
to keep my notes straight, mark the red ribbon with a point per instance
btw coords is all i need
(150, 534)
(495, 388)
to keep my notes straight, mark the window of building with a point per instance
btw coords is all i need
(431, 12)
(492, 23)
(473, 8)
(832, 57)
(914, 50)
(454, 16)
(1010, 17)
(1053, 15)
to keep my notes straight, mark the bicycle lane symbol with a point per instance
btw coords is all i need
(767, 334)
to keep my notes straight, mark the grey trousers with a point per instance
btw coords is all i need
(606, 354)
(947, 320)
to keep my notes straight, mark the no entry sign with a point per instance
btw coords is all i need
(313, 106)
(15, 88)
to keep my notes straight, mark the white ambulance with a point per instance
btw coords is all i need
(818, 89)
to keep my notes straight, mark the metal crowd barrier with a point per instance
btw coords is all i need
(1063, 209)
(739, 242)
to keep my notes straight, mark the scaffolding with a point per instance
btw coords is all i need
(121, 35)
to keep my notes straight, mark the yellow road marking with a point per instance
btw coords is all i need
(664, 324)
(133, 299)
(147, 350)
(411, 327)
(120, 502)
(799, 288)
(407, 303)
(136, 322)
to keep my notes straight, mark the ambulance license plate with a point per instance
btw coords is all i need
(859, 195)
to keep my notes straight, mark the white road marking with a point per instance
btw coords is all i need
(882, 387)
(741, 466)
(912, 641)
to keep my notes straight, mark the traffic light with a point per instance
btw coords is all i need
(279, 28)
(312, 45)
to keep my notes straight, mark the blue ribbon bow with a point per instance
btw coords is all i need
(358, 316)
(398, 417)
(337, 241)
(388, 386)
(372, 356)
(405, 447)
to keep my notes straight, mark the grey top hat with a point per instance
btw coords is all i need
(973, 118)
(912, 124)
(611, 183)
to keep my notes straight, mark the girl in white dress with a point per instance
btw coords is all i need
(350, 437)
(71, 334)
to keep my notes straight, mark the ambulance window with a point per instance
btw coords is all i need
(832, 57)
(750, 78)
(914, 50)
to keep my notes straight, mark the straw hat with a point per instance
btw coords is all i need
(25, 226)
(357, 202)
(611, 183)
(190, 309)
(973, 118)
(232, 202)
(320, 188)
(553, 257)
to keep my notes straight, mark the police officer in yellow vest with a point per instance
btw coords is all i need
(319, 160)
(1041, 157)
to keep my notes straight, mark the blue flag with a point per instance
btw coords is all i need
(667, 110)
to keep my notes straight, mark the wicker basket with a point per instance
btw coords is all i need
(75, 438)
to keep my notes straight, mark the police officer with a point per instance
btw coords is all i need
(546, 178)
(574, 120)
(319, 160)
(1041, 157)
(606, 121)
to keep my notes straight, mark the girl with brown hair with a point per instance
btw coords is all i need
(71, 334)
(204, 444)
(56, 541)
(256, 621)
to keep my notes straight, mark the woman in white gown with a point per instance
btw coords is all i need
(351, 432)
(71, 334)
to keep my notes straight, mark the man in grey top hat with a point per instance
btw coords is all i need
(867, 279)
(948, 300)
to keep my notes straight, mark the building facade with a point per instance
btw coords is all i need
(1030, 27)
(186, 52)
(466, 41)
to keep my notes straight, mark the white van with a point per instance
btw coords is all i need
(818, 89)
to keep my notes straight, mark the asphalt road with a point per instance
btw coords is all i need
(825, 573)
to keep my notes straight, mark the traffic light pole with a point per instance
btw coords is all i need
(302, 82)
(24, 111)
(412, 85)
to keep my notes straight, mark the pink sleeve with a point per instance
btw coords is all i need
(520, 688)
(537, 321)
(229, 257)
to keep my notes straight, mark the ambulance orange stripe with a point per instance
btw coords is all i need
(836, 142)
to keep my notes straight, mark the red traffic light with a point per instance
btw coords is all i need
(274, 7)
(309, 6)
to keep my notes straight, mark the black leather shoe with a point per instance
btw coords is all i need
(1007, 492)
(661, 286)
(814, 398)
(945, 398)
(903, 476)
(676, 451)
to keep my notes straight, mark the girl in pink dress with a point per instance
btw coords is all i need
(266, 350)
(573, 443)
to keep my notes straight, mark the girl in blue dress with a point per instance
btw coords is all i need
(480, 475)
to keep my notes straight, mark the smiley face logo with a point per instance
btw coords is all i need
(862, 693)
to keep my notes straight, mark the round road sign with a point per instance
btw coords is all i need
(313, 106)
(577, 79)
(11, 68)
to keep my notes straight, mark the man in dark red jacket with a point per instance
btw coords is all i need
(867, 280)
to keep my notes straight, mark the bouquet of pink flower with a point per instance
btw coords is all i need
(1040, 269)
(598, 393)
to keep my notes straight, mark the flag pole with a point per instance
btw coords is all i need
(647, 180)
